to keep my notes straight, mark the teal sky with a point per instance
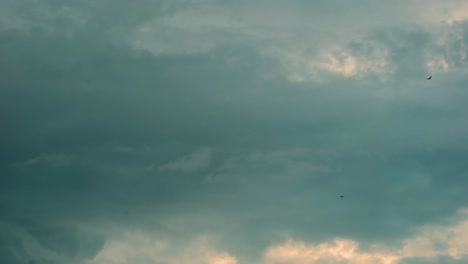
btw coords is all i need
(224, 132)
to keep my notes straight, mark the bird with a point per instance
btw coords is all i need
(341, 196)
(429, 78)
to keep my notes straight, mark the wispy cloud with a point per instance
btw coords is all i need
(53, 160)
(198, 160)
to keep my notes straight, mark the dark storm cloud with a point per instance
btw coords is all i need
(97, 133)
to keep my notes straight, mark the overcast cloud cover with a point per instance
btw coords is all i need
(224, 132)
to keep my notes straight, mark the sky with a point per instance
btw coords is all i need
(225, 132)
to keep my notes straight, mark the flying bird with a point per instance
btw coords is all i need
(341, 196)
(429, 78)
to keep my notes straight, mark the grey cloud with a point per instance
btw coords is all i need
(282, 152)
(54, 160)
(47, 246)
(198, 160)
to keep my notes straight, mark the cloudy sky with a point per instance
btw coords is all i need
(224, 132)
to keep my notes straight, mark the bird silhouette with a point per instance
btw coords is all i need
(429, 78)
(341, 196)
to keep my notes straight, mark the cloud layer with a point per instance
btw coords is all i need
(221, 133)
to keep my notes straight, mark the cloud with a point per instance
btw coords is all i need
(53, 160)
(291, 40)
(141, 248)
(431, 242)
(340, 251)
(56, 246)
(340, 61)
(198, 160)
(298, 101)
(299, 54)
(206, 26)
(435, 241)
